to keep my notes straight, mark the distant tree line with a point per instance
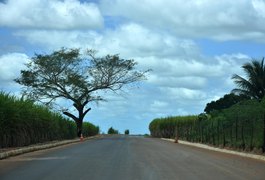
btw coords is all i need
(113, 131)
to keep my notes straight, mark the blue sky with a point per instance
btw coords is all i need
(193, 48)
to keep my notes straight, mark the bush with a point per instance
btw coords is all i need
(112, 131)
(90, 129)
(127, 132)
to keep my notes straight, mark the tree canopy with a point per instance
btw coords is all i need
(225, 102)
(127, 132)
(254, 83)
(76, 76)
(113, 131)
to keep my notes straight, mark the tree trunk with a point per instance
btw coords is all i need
(79, 120)
(79, 125)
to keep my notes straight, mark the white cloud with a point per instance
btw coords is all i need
(231, 63)
(129, 40)
(158, 104)
(176, 63)
(183, 79)
(54, 39)
(171, 59)
(195, 73)
(10, 66)
(185, 94)
(259, 6)
(135, 40)
(191, 82)
(220, 20)
(50, 14)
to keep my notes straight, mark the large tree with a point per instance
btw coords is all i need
(76, 76)
(225, 102)
(254, 83)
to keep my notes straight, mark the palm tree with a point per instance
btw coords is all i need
(254, 85)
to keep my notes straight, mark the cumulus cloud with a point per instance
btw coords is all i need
(50, 14)
(129, 40)
(185, 93)
(158, 35)
(219, 20)
(10, 66)
(158, 105)
(175, 62)
(259, 6)
(53, 39)
(195, 74)
(172, 59)
(171, 81)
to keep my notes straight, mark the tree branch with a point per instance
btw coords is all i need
(86, 111)
(71, 116)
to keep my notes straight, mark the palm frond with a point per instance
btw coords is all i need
(254, 84)
(242, 82)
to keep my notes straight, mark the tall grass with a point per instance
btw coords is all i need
(90, 129)
(239, 127)
(169, 126)
(23, 123)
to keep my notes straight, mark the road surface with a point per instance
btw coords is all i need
(129, 158)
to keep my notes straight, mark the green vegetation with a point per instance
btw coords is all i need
(239, 127)
(23, 123)
(225, 102)
(113, 131)
(169, 127)
(127, 132)
(90, 129)
(236, 120)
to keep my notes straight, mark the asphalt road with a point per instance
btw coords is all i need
(129, 158)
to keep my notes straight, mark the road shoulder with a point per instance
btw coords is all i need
(243, 154)
(37, 147)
